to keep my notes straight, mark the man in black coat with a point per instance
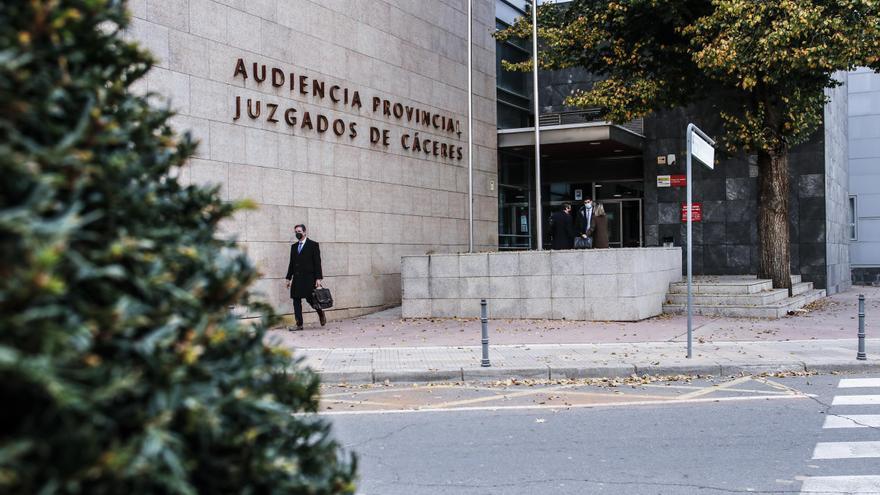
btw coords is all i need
(562, 228)
(304, 271)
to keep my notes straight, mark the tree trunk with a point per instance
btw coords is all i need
(773, 234)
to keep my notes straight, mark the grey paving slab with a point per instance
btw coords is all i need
(416, 364)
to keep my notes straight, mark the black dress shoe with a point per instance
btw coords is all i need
(322, 317)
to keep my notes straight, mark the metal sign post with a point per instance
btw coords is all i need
(701, 147)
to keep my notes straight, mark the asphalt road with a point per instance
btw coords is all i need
(748, 435)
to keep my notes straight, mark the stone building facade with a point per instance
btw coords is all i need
(349, 116)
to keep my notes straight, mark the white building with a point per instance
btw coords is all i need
(864, 175)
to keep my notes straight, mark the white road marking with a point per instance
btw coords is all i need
(855, 400)
(853, 421)
(828, 485)
(858, 382)
(846, 450)
(527, 407)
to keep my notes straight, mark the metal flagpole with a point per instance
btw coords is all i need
(470, 129)
(539, 217)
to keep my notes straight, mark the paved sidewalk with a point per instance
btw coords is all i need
(383, 347)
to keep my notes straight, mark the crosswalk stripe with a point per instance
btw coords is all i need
(846, 450)
(853, 421)
(858, 382)
(841, 484)
(855, 400)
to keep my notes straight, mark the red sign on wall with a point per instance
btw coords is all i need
(678, 180)
(696, 209)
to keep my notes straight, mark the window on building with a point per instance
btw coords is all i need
(513, 89)
(853, 219)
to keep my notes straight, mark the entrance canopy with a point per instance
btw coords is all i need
(579, 160)
(592, 138)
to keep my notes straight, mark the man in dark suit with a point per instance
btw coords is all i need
(304, 274)
(585, 219)
(562, 228)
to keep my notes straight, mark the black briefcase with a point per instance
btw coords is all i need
(322, 297)
(583, 242)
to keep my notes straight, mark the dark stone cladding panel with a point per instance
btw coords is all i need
(741, 233)
(710, 190)
(713, 211)
(651, 212)
(795, 257)
(812, 254)
(811, 220)
(697, 259)
(696, 231)
(739, 210)
(738, 258)
(669, 213)
(734, 168)
(714, 260)
(738, 188)
(669, 194)
(714, 230)
(755, 259)
(729, 237)
(815, 274)
(810, 233)
(652, 235)
(811, 186)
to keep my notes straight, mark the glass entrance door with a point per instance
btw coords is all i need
(514, 230)
(624, 222)
(612, 211)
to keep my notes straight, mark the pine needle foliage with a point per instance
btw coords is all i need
(122, 370)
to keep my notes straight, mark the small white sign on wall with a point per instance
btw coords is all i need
(578, 194)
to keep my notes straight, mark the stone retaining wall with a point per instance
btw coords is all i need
(602, 284)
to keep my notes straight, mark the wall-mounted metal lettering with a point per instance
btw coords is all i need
(311, 121)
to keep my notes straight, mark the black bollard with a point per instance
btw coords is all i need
(484, 320)
(861, 356)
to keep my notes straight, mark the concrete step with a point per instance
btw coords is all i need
(722, 285)
(733, 284)
(758, 299)
(774, 310)
(801, 288)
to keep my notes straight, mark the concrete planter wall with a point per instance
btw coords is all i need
(601, 284)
